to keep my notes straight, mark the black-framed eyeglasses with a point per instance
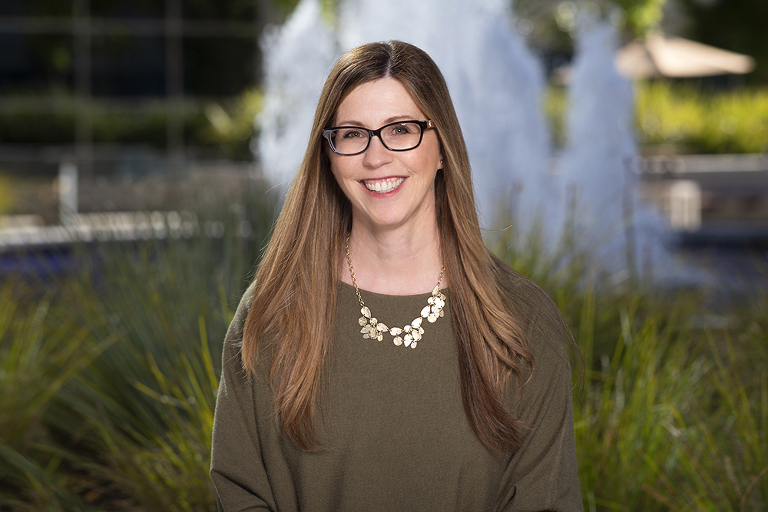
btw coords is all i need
(397, 136)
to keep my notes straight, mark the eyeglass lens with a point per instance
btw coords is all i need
(395, 136)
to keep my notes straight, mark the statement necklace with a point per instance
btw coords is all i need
(411, 333)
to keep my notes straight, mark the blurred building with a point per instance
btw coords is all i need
(86, 78)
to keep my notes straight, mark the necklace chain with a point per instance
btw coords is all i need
(411, 333)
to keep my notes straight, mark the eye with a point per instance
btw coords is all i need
(400, 129)
(351, 133)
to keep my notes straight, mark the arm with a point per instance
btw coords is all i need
(542, 475)
(237, 467)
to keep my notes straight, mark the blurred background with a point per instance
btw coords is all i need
(165, 91)
(134, 207)
(124, 91)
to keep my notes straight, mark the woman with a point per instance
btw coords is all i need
(382, 359)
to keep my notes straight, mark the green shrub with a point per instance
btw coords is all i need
(39, 355)
(226, 127)
(127, 425)
(696, 121)
(680, 118)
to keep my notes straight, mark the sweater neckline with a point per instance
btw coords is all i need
(350, 288)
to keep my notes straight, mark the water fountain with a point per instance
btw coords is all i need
(497, 86)
(297, 58)
(601, 161)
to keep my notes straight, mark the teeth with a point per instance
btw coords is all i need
(383, 186)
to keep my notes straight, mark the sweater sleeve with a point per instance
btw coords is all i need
(237, 467)
(542, 475)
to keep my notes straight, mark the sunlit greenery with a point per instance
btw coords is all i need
(701, 121)
(641, 16)
(231, 125)
(109, 374)
(684, 118)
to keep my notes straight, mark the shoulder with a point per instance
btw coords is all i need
(546, 332)
(234, 338)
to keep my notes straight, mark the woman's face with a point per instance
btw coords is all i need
(387, 189)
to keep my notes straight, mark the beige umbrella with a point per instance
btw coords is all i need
(657, 56)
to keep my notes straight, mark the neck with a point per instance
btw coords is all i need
(405, 261)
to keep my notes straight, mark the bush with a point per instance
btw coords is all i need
(115, 396)
(679, 118)
(226, 127)
(696, 121)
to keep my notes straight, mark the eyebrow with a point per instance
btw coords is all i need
(404, 117)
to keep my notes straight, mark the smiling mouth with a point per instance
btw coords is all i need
(383, 186)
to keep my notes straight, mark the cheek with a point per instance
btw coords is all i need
(434, 153)
(334, 165)
(339, 173)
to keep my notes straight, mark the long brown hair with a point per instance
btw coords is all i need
(295, 295)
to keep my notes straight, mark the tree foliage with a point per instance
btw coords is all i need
(641, 16)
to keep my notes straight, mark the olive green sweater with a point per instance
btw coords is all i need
(394, 432)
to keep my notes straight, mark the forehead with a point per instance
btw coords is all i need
(377, 102)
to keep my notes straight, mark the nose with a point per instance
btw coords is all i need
(376, 155)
